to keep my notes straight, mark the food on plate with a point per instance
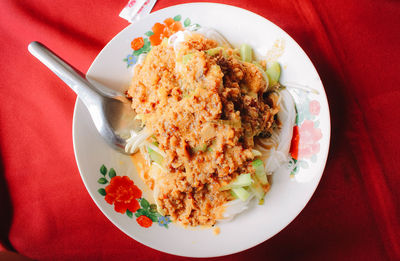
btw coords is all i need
(216, 123)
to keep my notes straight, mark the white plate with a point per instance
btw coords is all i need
(288, 195)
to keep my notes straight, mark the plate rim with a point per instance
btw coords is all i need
(323, 159)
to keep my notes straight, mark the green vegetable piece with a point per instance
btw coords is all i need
(112, 173)
(155, 143)
(233, 194)
(103, 170)
(186, 23)
(214, 51)
(274, 73)
(258, 165)
(241, 193)
(178, 18)
(154, 156)
(257, 162)
(258, 190)
(246, 53)
(144, 204)
(102, 181)
(186, 58)
(102, 192)
(129, 213)
(149, 33)
(201, 148)
(217, 50)
(242, 180)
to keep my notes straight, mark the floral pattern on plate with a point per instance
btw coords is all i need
(127, 199)
(154, 37)
(305, 144)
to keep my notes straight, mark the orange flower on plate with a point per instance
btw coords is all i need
(160, 31)
(123, 193)
(137, 43)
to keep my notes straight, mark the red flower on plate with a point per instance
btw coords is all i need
(123, 193)
(144, 221)
(309, 137)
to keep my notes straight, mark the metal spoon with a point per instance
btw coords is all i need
(110, 110)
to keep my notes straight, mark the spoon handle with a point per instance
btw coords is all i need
(73, 78)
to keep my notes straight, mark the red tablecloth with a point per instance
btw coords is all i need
(47, 214)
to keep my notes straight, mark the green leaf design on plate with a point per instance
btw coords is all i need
(129, 213)
(149, 33)
(102, 181)
(178, 18)
(112, 173)
(138, 52)
(141, 212)
(153, 217)
(146, 46)
(153, 208)
(103, 170)
(144, 204)
(186, 22)
(102, 192)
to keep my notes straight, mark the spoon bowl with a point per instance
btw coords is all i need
(110, 110)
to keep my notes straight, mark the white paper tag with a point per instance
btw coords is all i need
(135, 9)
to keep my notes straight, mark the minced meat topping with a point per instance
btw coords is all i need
(204, 106)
